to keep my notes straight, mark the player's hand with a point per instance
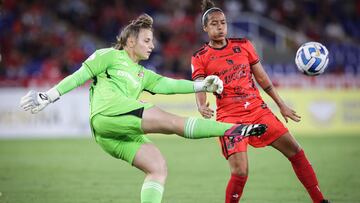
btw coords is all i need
(37, 101)
(34, 101)
(287, 112)
(206, 111)
(213, 83)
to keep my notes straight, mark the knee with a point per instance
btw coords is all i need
(159, 171)
(293, 151)
(163, 171)
(239, 169)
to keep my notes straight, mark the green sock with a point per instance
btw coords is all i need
(151, 192)
(197, 128)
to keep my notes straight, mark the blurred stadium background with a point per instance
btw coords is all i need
(43, 41)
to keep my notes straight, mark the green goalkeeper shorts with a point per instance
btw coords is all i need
(121, 135)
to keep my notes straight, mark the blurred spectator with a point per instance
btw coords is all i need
(50, 39)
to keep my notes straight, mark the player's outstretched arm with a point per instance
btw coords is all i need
(203, 104)
(264, 81)
(37, 101)
(165, 85)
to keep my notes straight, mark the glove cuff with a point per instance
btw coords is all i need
(199, 86)
(53, 94)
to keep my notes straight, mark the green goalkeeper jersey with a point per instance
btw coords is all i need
(118, 82)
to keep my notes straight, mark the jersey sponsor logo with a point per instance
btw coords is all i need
(239, 90)
(214, 57)
(128, 76)
(233, 68)
(243, 96)
(236, 49)
(234, 76)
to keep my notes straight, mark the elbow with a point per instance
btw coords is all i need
(261, 81)
(264, 83)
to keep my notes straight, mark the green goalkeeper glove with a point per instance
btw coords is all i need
(211, 83)
(37, 101)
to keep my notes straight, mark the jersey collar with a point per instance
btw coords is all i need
(221, 48)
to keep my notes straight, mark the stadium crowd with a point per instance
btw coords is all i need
(43, 41)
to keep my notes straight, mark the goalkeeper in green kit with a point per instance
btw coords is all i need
(119, 121)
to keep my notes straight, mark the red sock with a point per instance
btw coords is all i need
(306, 175)
(235, 188)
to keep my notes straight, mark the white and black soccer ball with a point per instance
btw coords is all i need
(312, 58)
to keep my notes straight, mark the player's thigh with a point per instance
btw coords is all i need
(287, 145)
(124, 149)
(122, 126)
(228, 146)
(275, 129)
(156, 120)
(120, 136)
(150, 160)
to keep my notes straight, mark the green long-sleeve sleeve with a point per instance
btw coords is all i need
(97, 63)
(166, 85)
(74, 80)
(159, 84)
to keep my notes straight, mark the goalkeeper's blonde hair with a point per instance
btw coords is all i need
(144, 21)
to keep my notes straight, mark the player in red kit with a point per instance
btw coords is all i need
(235, 61)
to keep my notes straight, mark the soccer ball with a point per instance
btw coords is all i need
(312, 58)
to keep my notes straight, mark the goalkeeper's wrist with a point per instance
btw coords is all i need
(53, 95)
(199, 86)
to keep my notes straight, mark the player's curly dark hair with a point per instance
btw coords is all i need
(144, 21)
(207, 4)
(207, 7)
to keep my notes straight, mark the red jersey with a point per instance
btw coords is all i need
(232, 64)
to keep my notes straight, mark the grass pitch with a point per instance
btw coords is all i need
(77, 170)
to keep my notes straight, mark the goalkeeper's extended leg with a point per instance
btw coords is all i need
(156, 120)
(197, 128)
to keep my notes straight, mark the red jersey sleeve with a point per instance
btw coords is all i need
(253, 56)
(197, 68)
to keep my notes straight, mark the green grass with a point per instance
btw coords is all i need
(77, 170)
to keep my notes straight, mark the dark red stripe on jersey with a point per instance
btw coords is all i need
(243, 40)
(255, 62)
(199, 50)
(224, 147)
(198, 76)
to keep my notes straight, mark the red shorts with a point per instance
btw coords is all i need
(264, 116)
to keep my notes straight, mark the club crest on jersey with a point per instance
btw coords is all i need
(236, 49)
(141, 74)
